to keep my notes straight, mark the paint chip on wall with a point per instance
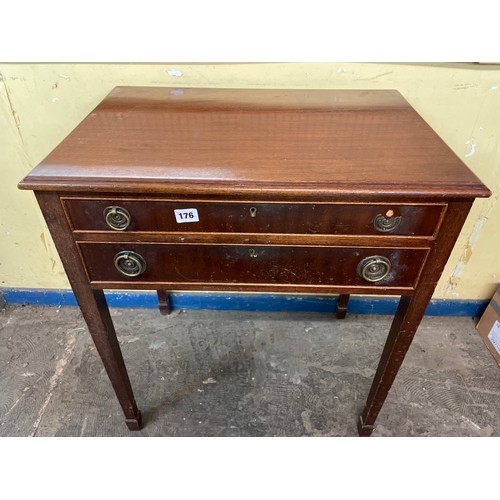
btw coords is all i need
(476, 230)
(174, 72)
(472, 149)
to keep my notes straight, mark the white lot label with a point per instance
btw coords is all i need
(494, 336)
(186, 215)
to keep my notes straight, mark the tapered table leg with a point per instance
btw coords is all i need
(408, 316)
(164, 302)
(96, 314)
(342, 305)
(93, 306)
(410, 312)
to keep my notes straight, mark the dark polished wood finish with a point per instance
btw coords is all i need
(93, 305)
(342, 302)
(286, 218)
(164, 302)
(331, 142)
(248, 265)
(296, 191)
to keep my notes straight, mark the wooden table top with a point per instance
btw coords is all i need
(342, 143)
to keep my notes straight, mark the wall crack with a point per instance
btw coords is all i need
(13, 112)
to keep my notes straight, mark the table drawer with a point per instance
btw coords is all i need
(237, 217)
(204, 263)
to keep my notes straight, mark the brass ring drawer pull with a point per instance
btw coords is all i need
(117, 218)
(130, 263)
(374, 268)
(386, 224)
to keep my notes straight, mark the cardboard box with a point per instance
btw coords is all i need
(489, 326)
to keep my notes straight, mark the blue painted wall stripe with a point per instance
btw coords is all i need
(245, 302)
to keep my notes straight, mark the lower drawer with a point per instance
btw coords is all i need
(258, 264)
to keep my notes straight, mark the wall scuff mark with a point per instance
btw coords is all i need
(387, 73)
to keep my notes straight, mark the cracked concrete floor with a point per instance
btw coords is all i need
(226, 373)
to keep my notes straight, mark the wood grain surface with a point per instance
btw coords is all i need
(220, 264)
(342, 142)
(284, 218)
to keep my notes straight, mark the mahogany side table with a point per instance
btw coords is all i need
(302, 191)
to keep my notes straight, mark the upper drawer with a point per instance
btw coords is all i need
(240, 217)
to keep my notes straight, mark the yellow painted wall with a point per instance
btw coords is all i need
(41, 103)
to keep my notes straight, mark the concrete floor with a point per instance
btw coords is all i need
(220, 373)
